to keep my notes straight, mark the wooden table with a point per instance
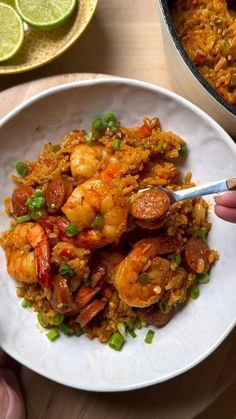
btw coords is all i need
(123, 39)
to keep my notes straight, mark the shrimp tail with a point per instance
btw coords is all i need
(43, 265)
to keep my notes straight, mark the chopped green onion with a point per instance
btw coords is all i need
(160, 148)
(194, 292)
(99, 125)
(177, 259)
(138, 324)
(71, 230)
(164, 308)
(130, 323)
(218, 21)
(57, 319)
(143, 323)
(79, 333)
(23, 219)
(89, 138)
(116, 341)
(227, 46)
(116, 145)
(98, 222)
(143, 278)
(133, 334)
(56, 147)
(109, 117)
(22, 168)
(149, 336)
(26, 303)
(53, 334)
(66, 270)
(203, 278)
(184, 150)
(38, 193)
(121, 328)
(43, 319)
(36, 214)
(68, 331)
(74, 284)
(112, 127)
(200, 233)
(144, 260)
(37, 201)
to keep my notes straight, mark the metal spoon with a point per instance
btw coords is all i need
(207, 189)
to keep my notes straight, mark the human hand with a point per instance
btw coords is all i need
(11, 404)
(225, 207)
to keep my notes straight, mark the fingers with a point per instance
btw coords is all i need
(226, 213)
(227, 199)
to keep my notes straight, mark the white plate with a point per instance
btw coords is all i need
(200, 327)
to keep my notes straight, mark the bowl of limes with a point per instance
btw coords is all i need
(34, 32)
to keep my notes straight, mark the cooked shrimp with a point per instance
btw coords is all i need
(88, 160)
(141, 276)
(100, 212)
(28, 254)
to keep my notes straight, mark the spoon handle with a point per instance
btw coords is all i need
(207, 189)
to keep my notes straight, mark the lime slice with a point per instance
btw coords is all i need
(11, 32)
(45, 14)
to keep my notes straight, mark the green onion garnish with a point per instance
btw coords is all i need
(56, 147)
(98, 222)
(177, 259)
(116, 145)
(57, 319)
(99, 125)
(37, 201)
(144, 259)
(79, 333)
(26, 303)
(89, 138)
(23, 219)
(203, 278)
(53, 334)
(164, 308)
(22, 168)
(66, 270)
(112, 127)
(71, 230)
(36, 214)
(184, 150)
(116, 341)
(130, 323)
(149, 336)
(68, 331)
(121, 328)
(143, 323)
(109, 117)
(133, 334)
(200, 233)
(43, 319)
(143, 278)
(194, 292)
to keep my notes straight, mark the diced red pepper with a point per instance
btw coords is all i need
(145, 131)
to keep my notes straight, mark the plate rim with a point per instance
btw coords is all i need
(154, 88)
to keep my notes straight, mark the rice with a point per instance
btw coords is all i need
(146, 157)
(207, 31)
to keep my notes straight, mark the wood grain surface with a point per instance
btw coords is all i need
(123, 39)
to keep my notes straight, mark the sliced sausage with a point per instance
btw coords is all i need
(19, 200)
(153, 316)
(150, 205)
(89, 312)
(85, 295)
(57, 193)
(196, 255)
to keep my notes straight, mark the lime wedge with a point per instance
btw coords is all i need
(11, 32)
(45, 14)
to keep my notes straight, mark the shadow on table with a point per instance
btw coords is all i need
(181, 398)
(90, 54)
